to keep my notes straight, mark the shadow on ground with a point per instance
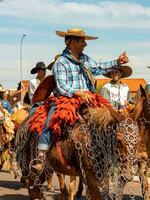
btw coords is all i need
(56, 197)
(14, 185)
(127, 197)
(53, 197)
(14, 197)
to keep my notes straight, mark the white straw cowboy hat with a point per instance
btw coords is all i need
(126, 71)
(75, 32)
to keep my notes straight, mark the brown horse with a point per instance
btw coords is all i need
(89, 149)
(143, 142)
(143, 150)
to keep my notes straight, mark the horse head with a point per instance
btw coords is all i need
(146, 104)
(144, 124)
(116, 128)
(127, 132)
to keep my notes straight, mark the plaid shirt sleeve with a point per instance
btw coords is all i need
(99, 68)
(60, 74)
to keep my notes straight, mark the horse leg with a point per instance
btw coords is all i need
(143, 169)
(35, 193)
(80, 189)
(119, 179)
(92, 185)
(72, 187)
(50, 186)
(93, 189)
(122, 182)
(63, 188)
(1, 161)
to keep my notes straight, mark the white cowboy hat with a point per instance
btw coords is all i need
(126, 71)
(75, 32)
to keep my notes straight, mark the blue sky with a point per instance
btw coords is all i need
(120, 25)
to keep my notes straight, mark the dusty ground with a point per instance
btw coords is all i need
(11, 189)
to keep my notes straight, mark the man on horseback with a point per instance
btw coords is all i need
(40, 70)
(73, 73)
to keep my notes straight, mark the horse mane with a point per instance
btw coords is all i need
(99, 117)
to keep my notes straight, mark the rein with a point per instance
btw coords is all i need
(142, 120)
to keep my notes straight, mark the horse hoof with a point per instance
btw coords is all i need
(50, 188)
(78, 195)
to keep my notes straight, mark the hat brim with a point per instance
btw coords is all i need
(35, 69)
(126, 72)
(64, 34)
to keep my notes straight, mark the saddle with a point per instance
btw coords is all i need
(44, 89)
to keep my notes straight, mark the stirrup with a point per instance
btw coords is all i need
(33, 166)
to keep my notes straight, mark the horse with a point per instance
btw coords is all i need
(88, 150)
(143, 142)
(6, 137)
(142, 100)
(143, 149)
(17, 118)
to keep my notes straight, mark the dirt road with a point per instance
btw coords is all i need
(11, 189)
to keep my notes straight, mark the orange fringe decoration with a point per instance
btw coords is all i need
(37, 121)
(65, 112)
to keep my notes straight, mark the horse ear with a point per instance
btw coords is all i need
(143, 93)
(137, 110)
(116, 114)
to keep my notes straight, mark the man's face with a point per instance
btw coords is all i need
(116, 75)
(41, 72)
(79, 44)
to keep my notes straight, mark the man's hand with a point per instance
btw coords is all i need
(123, 58)
(84, 95)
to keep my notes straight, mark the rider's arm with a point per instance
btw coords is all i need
(105, 67)
(99, 68)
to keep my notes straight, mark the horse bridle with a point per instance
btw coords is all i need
(143, 121)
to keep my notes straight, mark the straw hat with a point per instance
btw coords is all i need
(39, 65)
(52, 63)
(126, 71)
(75, 32)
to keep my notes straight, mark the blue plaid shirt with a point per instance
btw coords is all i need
(68, 75)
